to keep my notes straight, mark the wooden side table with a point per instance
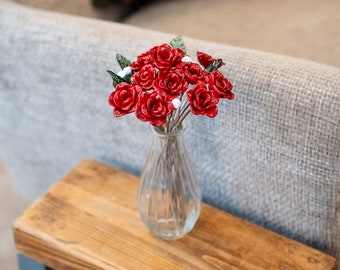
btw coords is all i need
(88, 220)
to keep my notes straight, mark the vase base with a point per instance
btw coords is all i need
(172, 229)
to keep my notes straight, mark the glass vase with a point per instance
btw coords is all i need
(169, 197)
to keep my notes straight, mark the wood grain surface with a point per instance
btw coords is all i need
(89, 220)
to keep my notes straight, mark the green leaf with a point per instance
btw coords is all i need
(178, 42)
(115, 78)
(214, 65)
(122, 61)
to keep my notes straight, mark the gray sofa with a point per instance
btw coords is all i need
(271, 156)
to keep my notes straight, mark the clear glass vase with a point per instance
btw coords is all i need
(169, 197)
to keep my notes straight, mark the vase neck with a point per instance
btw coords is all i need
(160, 132)
(168, 140)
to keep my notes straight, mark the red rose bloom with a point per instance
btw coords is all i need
(194, 73)
(124, 98)
(203, 101)
(154, 108)
(145, 77)
(171, 82)
(143, 59)
(165, 57)
(163, 86)
(206, 60)
(221, 85)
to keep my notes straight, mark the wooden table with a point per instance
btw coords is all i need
(88, 220)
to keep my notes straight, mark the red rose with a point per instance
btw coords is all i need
(166, 57)
(142, 60)
(171, 82)
(154, 108)
(221, 85)
(203, 101)
(124, 98)
(145, 77)
(194, 73)
(206, 60)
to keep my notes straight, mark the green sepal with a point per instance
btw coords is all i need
(115, 78)
(214, 65)
(178, 42)
(127, 78)
(122, 61)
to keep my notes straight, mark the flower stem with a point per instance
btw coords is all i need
(183, 114)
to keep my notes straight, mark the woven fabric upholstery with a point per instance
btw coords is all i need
(270, 156)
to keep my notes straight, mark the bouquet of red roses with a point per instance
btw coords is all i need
(164, 85)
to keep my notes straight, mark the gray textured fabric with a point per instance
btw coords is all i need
(270, 156)
(311, 31)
